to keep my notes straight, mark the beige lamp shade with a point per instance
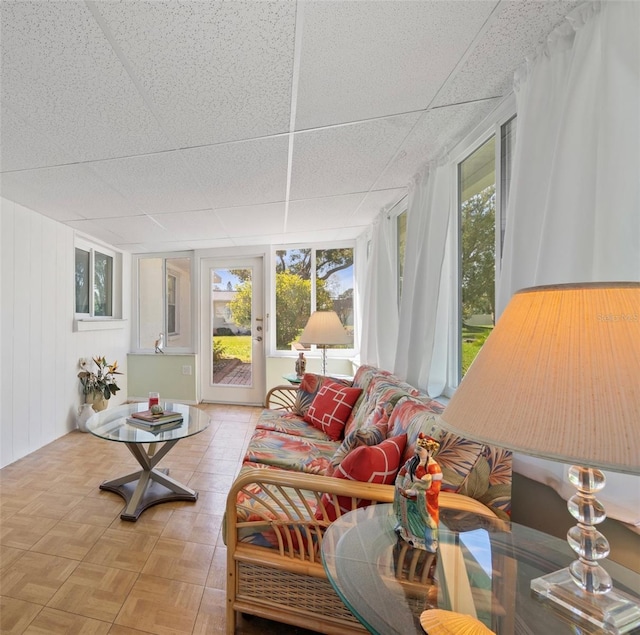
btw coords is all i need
(559, 377)
(324, 329)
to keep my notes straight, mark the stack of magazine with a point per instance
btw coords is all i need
(155, 422)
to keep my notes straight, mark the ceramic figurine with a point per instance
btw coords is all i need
(301, 365)
(416, 496)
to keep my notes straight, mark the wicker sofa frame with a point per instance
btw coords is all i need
(288, 584)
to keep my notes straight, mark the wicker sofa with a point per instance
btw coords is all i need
(297, 477)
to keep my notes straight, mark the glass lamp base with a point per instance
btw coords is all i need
(613, 612)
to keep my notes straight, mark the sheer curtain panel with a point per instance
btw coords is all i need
(380, 308)
(574, 208)
(421, 355)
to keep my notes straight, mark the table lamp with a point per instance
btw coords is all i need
(324, 329)
(559, 378)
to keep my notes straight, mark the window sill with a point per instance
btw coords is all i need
(98, 325)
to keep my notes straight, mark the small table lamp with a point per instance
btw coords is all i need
(324, 329)
(559, 378)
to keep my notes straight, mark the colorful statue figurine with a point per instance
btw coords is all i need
(416, 496)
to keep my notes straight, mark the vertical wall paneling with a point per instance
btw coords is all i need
(6, 333)
(36, 265)
(22, 386)
(40, 392)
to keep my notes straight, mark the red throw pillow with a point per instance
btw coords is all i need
(331, 408)
(368, 464)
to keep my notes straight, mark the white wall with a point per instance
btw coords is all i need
(39, 350)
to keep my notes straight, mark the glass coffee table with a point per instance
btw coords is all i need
(483, 568)
(149, 485)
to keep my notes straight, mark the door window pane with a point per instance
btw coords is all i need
(231, 297)
(477, 187)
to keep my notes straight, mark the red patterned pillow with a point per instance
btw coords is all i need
(331, 408)
(368, 464)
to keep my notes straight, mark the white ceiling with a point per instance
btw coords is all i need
(168, 125)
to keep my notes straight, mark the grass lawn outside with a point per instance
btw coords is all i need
(235, 346)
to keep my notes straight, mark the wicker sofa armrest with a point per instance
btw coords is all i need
(281, 398)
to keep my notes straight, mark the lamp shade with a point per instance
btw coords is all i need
(324, 329)
(559, 377)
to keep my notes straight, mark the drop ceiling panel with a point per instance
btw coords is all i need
(67, 192)
(131, 229)
(346, 159)
(257, 220)
(399, 54)
(63, 77)
(214, 71)
(323, 213)
(192, 225)
(515, 32)
(378, 200)
(22, 146)
(155, 183)
(242, 173)
(430, 136)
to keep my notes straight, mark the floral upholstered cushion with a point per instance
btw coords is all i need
(367, 464)
(290, 452)
(384, 389)
(289, 423)
(331, 408)
(474, 469)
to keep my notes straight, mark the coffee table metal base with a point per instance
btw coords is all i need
(148, 486)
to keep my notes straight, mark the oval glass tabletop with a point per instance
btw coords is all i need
(483, 568)
(113, 424)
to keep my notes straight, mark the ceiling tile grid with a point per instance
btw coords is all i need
(159, 124)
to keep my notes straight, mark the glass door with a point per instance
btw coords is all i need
(233, 331)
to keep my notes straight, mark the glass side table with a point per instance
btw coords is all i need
(483, 568)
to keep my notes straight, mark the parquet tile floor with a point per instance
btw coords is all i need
(69, 564)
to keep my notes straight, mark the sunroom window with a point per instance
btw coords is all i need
(94, 281)
(309, 279)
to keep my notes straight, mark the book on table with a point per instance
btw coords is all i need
(147, 418)
(154, 427)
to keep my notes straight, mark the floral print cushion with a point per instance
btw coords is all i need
(290, 452)
(289, 423)
(474, 469)
(385, 389)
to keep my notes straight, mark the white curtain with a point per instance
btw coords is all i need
(379, 303)
(574, 209)
(421, 356)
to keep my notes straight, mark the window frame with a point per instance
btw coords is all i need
(337, 353)
(166, 271)
(92, 247)
(492, 125)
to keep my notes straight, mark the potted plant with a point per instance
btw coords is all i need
(98, 386)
